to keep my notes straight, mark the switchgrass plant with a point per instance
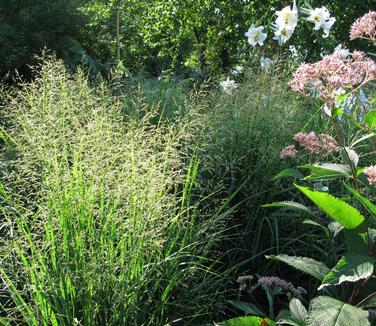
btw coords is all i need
(244, 133)
(100, 217)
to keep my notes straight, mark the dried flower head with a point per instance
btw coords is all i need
(270, 281)
(364, 27)
(289, 151)
(370, 173)
(242, 280)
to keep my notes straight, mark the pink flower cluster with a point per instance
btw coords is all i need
(370, 173)
(334, 72)
(364, 27)
(289, 151)
(321, 144)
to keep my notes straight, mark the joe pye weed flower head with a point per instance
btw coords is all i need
(364, 27)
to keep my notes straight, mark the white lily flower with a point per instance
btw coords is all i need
(283, 33)
(321, 18)
(287, 17)
(327, 26)
(256, 35)
(229, 85)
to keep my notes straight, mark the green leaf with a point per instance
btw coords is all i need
(327, 311)
(361, 139)
(289, 173)
(290, 321)
(337, 209)
(247, 307)
(327, 171)
(297, 310)
(290, 204)
(324, 228)
(356, 242)
(304, 264)
(350, 268)
(370, 118)
(335, 227)
(371, 302)
(363, 200)
(247, 321)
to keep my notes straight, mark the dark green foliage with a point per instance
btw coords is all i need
(158, 35)
(28, 26)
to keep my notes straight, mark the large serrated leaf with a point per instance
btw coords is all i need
(350, 268)
(327, 311)
(247, 321)
(337, 209)
(290, 204)
(304, 264)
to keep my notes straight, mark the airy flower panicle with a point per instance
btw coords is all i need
(364, 27)
(370, 173)
(289, 151)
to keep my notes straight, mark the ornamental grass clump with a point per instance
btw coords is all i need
(99, 225)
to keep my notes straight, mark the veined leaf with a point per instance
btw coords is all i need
(304, 264)
(327, 171)
(290, 204)
(297, 310)
(335, 227)
(289, 173)
(323, 227)
(350, 268)
(356, 142)
(247, 321)
(290, 321)
(332, 312)
(371, 302)
(337, 209)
